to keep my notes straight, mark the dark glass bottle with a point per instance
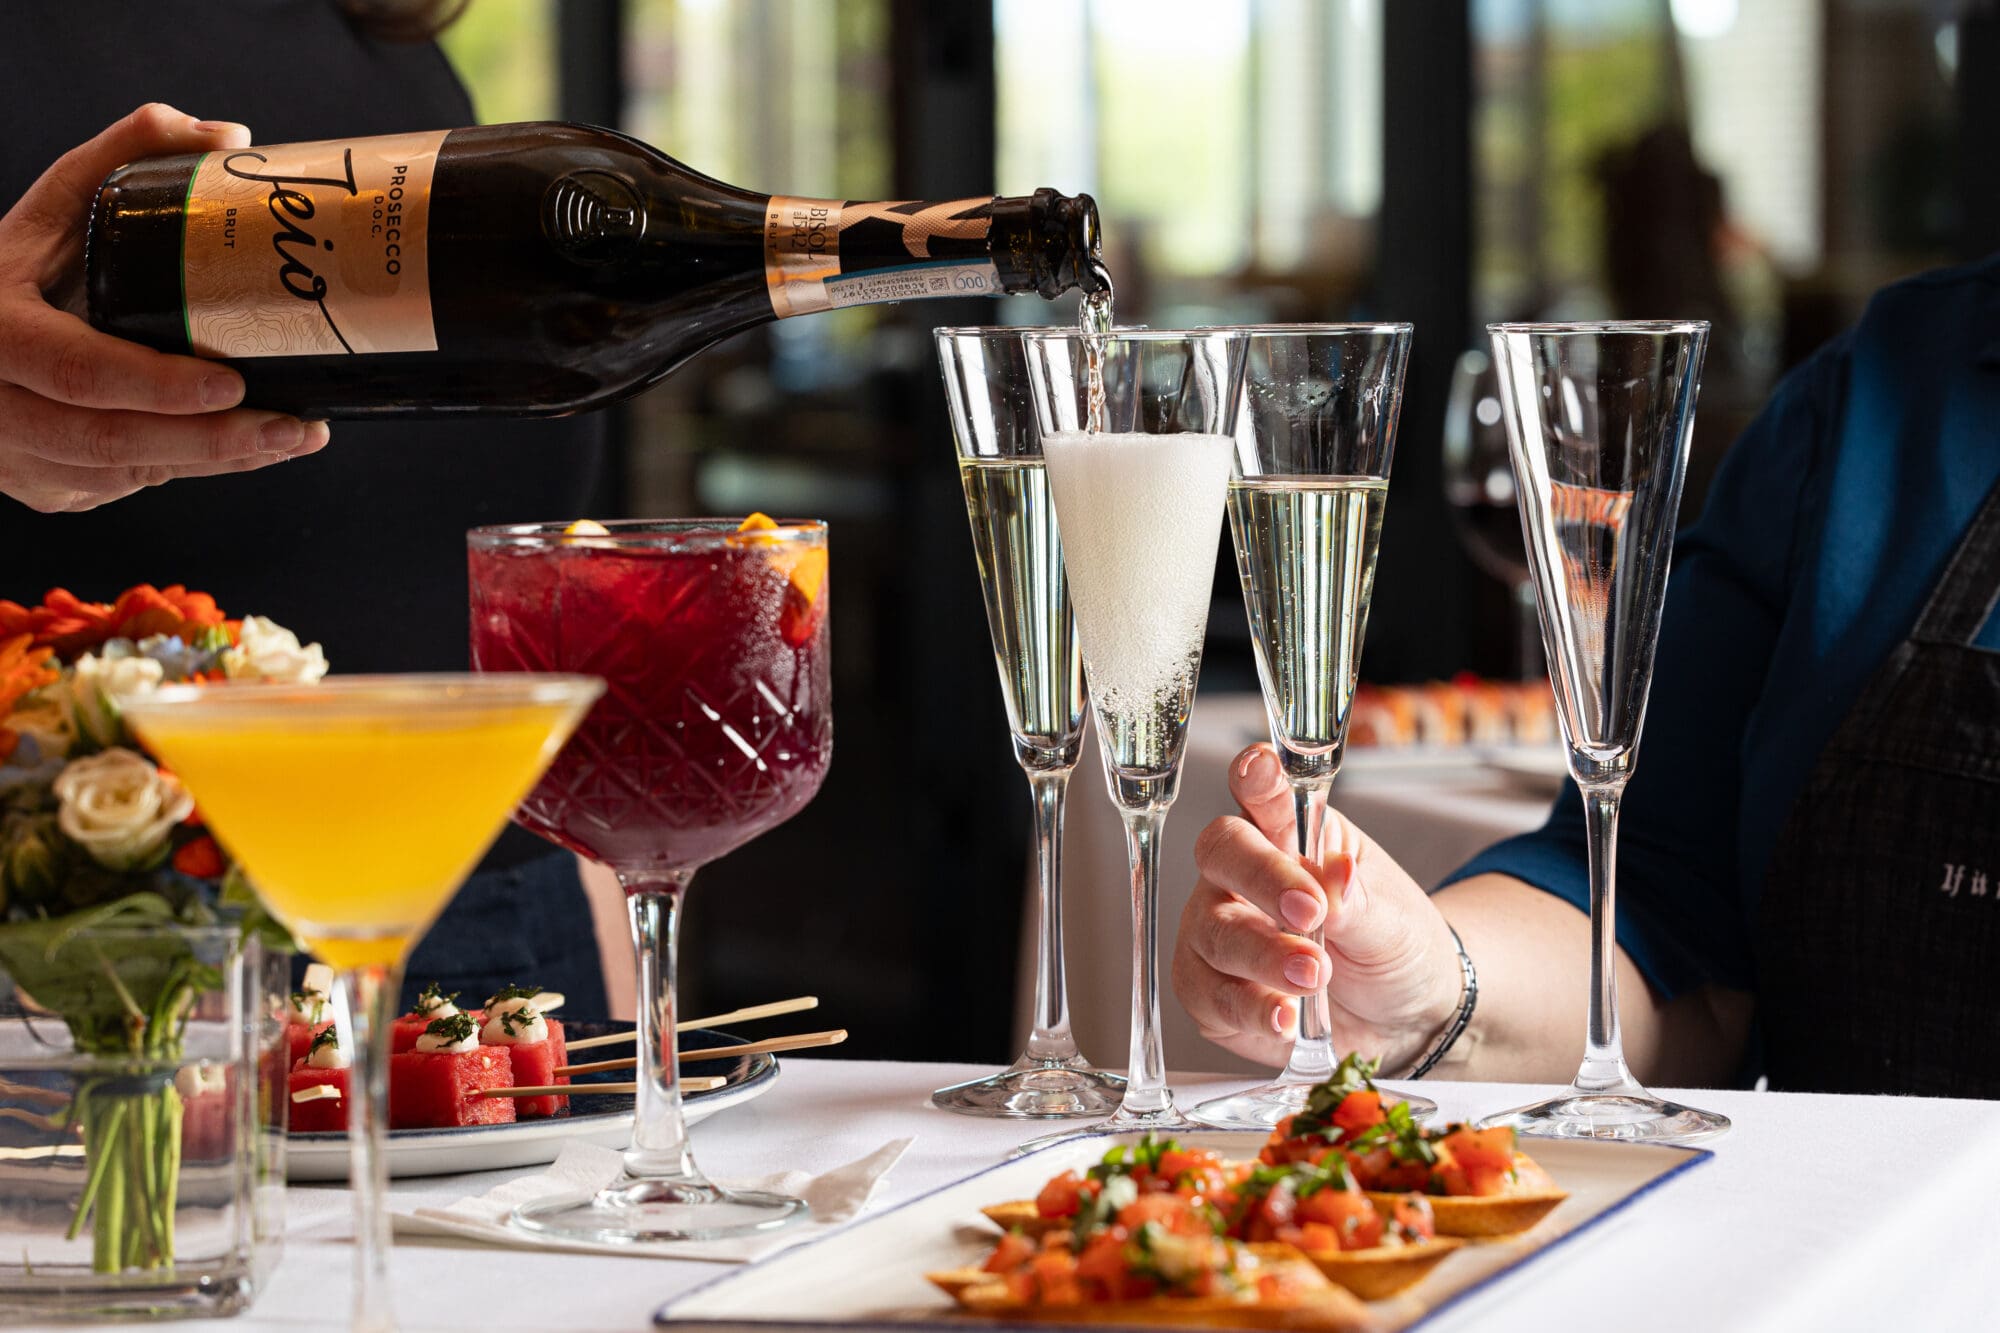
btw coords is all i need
(529, 269)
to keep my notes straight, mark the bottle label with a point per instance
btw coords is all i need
(821, 254)
(311, 249)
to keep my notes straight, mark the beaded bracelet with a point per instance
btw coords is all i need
(1468, 1000)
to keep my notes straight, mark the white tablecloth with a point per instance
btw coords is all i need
(1818, 1213)
(1432, 815)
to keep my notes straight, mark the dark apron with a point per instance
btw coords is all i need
(527, 924)
(1878, 938)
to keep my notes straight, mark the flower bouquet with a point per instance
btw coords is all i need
(108, 885)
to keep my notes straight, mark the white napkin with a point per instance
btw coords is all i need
(836, 1198)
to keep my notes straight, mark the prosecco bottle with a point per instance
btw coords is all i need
(530, 269)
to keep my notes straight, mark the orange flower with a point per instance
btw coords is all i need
(201, 858)
(23, 667)
(72, 626)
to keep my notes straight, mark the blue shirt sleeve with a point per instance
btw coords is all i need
(1682, 914)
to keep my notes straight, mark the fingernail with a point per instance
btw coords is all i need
(221, 390)
(1281, 1019)
(282, 435)
(1299, 908)
(1302, 971)
(1260, 770)
(229, 129)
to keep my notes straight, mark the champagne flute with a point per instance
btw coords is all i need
(1041, 674)
(1598, 420)
(1137, 432)
(1313, 442)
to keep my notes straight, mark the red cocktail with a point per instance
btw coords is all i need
(711, 639)
(715, 726)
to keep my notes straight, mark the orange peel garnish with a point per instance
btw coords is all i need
(586, 527)
(808, 576)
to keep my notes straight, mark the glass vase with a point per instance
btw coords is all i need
(142, 1121)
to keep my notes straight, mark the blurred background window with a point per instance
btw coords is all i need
(1765, 164)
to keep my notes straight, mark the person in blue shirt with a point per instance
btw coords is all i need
(1809, 853)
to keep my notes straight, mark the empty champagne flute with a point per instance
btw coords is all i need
(1137, 430)
(1598, 421)
(1314, 438)
(1021, 574)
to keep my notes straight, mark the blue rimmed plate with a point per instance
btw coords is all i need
(599, 1119)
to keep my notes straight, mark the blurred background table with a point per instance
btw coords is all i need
(1431, 810)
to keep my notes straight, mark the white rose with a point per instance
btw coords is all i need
(95, 684)
(266, 650)
(119, 808)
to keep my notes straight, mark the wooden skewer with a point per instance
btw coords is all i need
(598, 1089)
(771, 1010)
(770, 1047)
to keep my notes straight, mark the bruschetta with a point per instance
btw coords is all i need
(1158, 1260)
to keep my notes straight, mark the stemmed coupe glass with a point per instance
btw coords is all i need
(358, 806)
(1314, 438)
(1598, 420)
(1137, 433)
(1021, 573)
(711, 637)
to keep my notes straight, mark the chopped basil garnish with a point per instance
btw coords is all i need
(454, 1029)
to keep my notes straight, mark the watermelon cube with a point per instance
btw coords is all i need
(323, 1115)
(535, 1064)
(437, 1089)
(299, 1038)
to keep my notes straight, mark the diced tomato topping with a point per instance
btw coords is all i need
(1103, 1259)
(1054, 1273)
(1013, 1250)
(1348, 1212)
(1178, 1162)
(1175, 1212)
(1476, 1148)
(1317, 1238)
(1413, 1213)
(1378, 1169)
(1061, 1196)
(1357, 1111)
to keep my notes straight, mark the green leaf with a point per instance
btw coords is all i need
(121, 995)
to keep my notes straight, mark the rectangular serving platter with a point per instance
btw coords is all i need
(872, 1273)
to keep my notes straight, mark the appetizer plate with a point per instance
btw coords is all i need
(603, 1120)
(872, 1273)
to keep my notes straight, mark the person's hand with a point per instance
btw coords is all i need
(1392, 974)
(86, 418)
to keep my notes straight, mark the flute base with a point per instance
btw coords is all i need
(1628, 1115)
(1263, 1107)
(1036, 1089)
(1169, 1119)
(634, 1212)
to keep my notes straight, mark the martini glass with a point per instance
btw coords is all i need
(715, 727)
(1598, 421)
(358, 806)
(1041, 674)
(1313, 444)
(1137, 431)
